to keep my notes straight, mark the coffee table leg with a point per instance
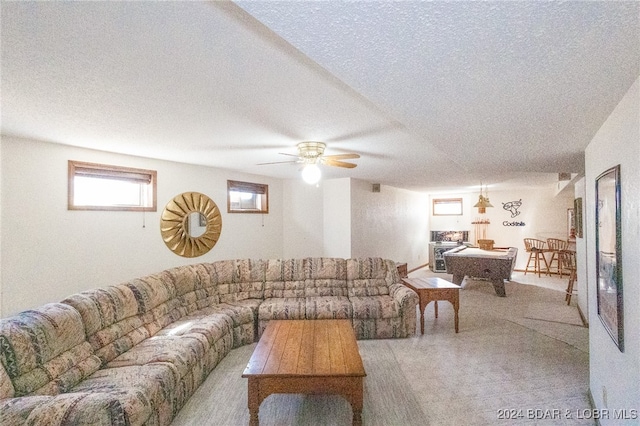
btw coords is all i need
(356, 400)
(423, 306)
(357, 417)
(253, 401)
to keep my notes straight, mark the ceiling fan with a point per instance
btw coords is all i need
(313, 153)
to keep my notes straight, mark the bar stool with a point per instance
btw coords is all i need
(569, 263)
(556, 247)
(536, 249)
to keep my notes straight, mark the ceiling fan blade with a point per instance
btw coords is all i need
(336, 163)
(279, 162)
(290, 155)
(341, 156)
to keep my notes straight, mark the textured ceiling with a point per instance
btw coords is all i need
(433, 95)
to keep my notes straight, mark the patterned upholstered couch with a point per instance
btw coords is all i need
(133, 353)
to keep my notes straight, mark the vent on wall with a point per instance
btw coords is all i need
(375, 187)
(564, 176)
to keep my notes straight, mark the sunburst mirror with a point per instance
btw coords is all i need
(191, 224)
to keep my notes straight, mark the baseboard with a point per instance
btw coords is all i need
(593, 405)
(584, 319)
(426, 265)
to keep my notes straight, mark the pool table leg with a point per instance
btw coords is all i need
(498, 286)
(457, 279)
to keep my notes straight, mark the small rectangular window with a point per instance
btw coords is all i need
(104, 187)
(447, 206)
(247, 197)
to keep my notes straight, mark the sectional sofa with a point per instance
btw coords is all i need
(133, 353)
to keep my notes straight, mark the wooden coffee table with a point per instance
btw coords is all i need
(434, 289)
(306, 357)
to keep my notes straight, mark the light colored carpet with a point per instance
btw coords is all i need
(500, 360)
(559, 312)
(222, 399)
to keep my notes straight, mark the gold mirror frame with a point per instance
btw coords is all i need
(174, 230)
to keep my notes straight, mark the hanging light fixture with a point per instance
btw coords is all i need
(311, 174)
(483, 201)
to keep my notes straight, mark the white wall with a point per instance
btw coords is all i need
(392, 223)
(581, 255)
(344, 218)
(337, 217)
(1, 291)
(615, 375)
(543, 213)
(303, 219)
(50, 252)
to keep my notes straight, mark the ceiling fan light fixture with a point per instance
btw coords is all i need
(310, 151)
(311, 174)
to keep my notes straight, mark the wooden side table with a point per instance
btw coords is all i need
(432, 290)
(402, 269)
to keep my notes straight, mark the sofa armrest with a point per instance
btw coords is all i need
(407, 300)
(403, 295)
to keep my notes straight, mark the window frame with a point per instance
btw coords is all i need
(250, 187)
(107, 171)
(437, 201)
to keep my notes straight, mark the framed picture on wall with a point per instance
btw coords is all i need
(609, 254)
(571, 223)
(577, 207)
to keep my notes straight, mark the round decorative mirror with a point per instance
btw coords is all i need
(191, 224)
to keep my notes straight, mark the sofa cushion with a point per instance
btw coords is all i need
(325, 277)
(6, 387)
(284, 278)
(325, 268)
(251, 271)
(194, 286)
(239, 279)
(280, 308)
(158, 305)
(44, 350)
(111, 319)
(119, 317)
(140, 390)
(379, 328)
(284, 289)
(213, 326)
(243, 315)
(370, 276)
(76, 408)
(328, 307)
(239, 312)
(235, 292)
(375, 307)
(285, 308)
(15, 411)
(325, 287)
(182, 352)
(152, 291)
(103, 307)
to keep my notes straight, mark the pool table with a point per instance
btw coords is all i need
(495, 265)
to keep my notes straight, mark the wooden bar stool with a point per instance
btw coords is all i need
(536, 249)
(556, 247)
